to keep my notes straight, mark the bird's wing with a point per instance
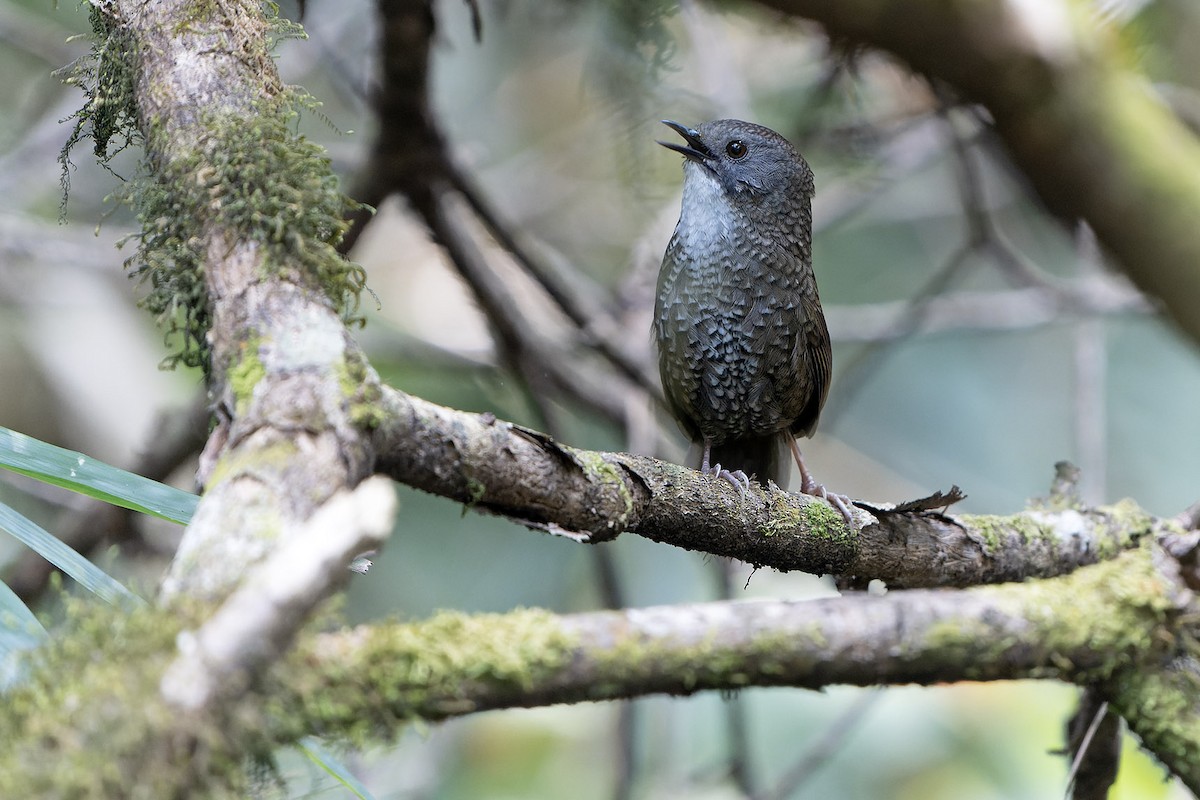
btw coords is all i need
(813, 354)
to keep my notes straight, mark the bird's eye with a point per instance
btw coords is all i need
(736, 148)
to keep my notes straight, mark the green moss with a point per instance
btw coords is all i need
(1160, 707)
(816, 519)
(826, 523)
(713, 661)
(1133, 521)
(362, 392)
(783, 517)
(88, 721)
(1108, 611)
(397, 672)
(110, 102)
(278, 454)
(1127, 524)
(994, 530)
(245, 374)
(601, 470)
(476, 490)
(251, 178)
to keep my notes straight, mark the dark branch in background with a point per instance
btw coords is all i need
(595, 322)
(1094, 747)
(826, 748)
(737, 713)
(534, 358)
(505, 469)
(412, 158)
(1012, 309)
(981, 236)
(1101, 146)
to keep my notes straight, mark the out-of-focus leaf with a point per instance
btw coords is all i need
(79, 473)
(88, 575)
(19, 631)
(319, 755)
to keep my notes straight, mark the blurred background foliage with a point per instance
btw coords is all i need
(554, 111)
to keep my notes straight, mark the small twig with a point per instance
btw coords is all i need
(817, 756)
(534, 358)
(1010, 309)
(1094, 742)
(981, 235)
(1090, 368)
(255, 625)
(737, 714)
(589, 317)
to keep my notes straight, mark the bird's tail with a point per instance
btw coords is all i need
(762, 458)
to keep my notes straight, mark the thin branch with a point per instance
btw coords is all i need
(600, 329)
(534, 357)
(413, 159)
(1090, 373)
(1094, 744)
(1010, 309)
(737, 711)
(827, 746)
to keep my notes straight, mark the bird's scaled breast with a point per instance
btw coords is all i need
(727, 348)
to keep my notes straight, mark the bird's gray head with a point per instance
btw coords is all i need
(745, 158)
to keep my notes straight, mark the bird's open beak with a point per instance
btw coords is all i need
(695, 149)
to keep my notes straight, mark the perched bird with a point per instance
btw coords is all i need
(743, 348)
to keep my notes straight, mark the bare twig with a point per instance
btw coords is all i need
(533, 356)
(830, 742)
(594, 321)
(255, 625)
(1094, 744)
(981, 235)
(1010, 309)
(413, 159)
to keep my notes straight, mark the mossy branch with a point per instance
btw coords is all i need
(1125, 625)
(501, 468)
(222, 159)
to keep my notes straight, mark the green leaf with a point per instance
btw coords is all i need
(60, 555)
(79, 473)
(324, 759)
(19, 631)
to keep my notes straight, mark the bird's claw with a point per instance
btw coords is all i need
(839, 501)
(739, 479)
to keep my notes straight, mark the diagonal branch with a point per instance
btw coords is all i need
(412, 158)
(1100, 145)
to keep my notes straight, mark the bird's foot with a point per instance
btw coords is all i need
(839, 501)
(739, 479)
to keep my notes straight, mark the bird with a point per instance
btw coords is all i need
(743, 347)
